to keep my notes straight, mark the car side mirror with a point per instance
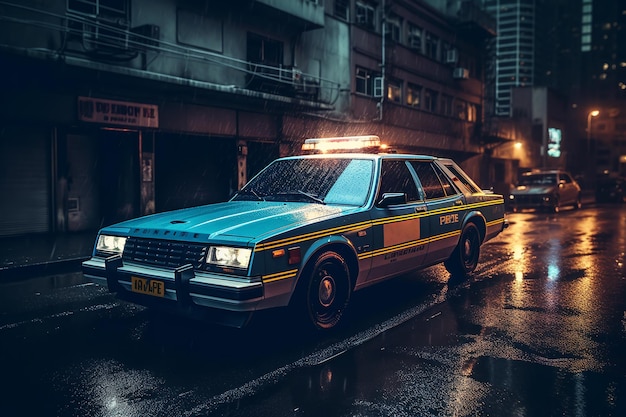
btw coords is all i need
(391, 199)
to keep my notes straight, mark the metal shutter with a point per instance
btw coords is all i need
(24, 181)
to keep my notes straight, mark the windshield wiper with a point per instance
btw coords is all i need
(309, 196)
(250, 192)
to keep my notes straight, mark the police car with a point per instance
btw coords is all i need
(305, 233)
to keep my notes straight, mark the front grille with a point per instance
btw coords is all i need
(164, 253)
(529, 200)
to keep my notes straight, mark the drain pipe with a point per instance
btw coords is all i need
(382, 65)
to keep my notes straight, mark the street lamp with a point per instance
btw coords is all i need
(592, 113)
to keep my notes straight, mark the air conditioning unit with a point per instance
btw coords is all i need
(296, 75)
(460, 73)
(452, 56)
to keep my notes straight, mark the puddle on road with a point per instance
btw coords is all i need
(543, 390)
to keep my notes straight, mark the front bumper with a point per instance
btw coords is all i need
(187, 291)
(532, 201)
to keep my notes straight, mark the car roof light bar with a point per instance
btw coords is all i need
(345, 143)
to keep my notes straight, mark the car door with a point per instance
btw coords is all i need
(446, 207)
(567, 189)
(400, 230)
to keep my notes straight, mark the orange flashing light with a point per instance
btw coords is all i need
(345, 143)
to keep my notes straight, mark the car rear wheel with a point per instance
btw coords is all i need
(578, 203)
(557, 205)
(327, 291)
(464, 258)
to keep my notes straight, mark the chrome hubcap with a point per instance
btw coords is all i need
(327, 291)
(467, 248)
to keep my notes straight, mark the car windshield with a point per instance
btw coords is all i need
(538, 179)
(345, 181)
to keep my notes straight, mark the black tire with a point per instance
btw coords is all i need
(578, 203)
(557, 205)
(327, 291)
(464, 259)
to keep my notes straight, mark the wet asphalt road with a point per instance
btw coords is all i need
(539, 330)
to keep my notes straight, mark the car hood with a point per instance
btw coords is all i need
(240, 221)
(533, 189)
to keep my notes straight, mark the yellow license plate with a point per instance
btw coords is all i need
(148, 286)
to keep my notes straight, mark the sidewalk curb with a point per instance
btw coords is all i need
(44, 268)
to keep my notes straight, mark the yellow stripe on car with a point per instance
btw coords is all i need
(279, 276)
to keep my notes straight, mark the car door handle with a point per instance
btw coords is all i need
(458, 203)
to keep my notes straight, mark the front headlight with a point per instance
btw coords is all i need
(110, 244)
(229, 257)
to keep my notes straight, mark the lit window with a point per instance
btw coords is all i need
(394, 91)
(413, 95)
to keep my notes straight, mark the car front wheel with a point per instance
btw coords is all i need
(578, 203)
(328, 291)
(556, 207)
(464, 258)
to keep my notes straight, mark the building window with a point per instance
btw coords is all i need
(103, 26)
(99, 8)
(364, 81)
(392, 29)
(446, 105)
(472, 112)
(431, 46)
(587, 14)
(430, 100)
(364, 14)
(263, 50)
(414, 37)
(342, 9)
(461, 110)
(394, 91)
(265, 58)
(413, 95)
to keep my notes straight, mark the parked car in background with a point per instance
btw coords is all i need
(545, 189)
(610, 189)
(305, 233)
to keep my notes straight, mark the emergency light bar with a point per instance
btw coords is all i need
(345, 143)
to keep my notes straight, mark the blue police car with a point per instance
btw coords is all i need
(305, 233)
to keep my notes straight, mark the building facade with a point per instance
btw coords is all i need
(115, 109)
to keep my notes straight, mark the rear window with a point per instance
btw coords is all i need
(538, 179)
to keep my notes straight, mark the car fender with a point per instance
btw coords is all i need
(478, 218)
(339, 244)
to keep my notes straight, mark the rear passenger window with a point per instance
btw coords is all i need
(429, 179)
(464, 179)
(396, 178)
(445, 182)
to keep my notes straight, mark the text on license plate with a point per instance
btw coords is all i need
(148, 286)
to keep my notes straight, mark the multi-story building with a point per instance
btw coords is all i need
(576, 50)
(515, 48)
(603, 86)
(117, 108)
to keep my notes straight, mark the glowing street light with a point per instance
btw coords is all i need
(592, 113)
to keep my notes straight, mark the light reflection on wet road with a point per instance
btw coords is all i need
(540, 330)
